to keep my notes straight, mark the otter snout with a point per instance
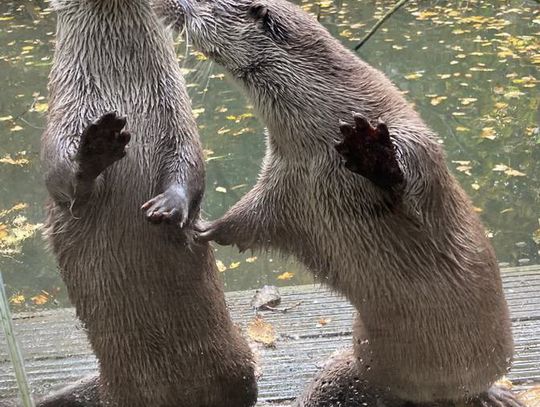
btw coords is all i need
(173, 12)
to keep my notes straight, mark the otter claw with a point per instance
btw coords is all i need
(169, 207)
(369, 151)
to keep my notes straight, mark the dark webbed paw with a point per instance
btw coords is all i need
(171, 207)
(102, 143)
(369, 151)
(221, 232)
(496, 396)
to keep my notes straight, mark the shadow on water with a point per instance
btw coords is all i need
(470, 67)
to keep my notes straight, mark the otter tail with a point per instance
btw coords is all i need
(84, 393)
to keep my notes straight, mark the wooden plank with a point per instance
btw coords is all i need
(57, 352)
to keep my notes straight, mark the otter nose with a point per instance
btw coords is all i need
(173, 12)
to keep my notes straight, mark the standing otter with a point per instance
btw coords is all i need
(150, 299)
(402, 244)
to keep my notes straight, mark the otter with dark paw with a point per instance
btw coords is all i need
(369, 151)
(150, 298)
(433, 325)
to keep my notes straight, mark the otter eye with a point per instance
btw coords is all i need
(258, 11)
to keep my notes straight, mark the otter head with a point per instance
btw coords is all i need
(247, 36)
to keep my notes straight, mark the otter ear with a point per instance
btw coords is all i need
(269, 23)
(258, 11)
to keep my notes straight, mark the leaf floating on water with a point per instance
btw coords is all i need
(16, 128)
(437, 100)
(285, 276)
(222, 190)
(19, 161)
(414, 75)
(508, 171)
(251, 259)
(234, 265)
(220, 266)
(488, 132)
(262, 332)
(41, 107)
(467, 101)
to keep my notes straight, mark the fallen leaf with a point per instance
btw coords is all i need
(262, 332)
(285, 276)
(17, 299)
(251, 259)
(323, 321)
(488, 132)
(222, 190)
(530, 397)
(41, 299)
(220, 266)
(234, 265)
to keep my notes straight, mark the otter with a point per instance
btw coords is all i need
(120, 131)
(402, 244)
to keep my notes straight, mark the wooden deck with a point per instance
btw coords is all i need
(57, 352)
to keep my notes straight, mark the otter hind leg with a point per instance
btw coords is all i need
(496, 396)
(342, 383)
(369, 151)
(84, 393)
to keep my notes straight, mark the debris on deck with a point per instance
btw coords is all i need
(57, 352)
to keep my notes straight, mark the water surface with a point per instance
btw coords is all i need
(470, 67)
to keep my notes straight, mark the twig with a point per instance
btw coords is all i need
(282, 310)
(396, 7)
(13, 348)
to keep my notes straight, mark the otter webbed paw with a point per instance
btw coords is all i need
(171, 207)
(219, 231)
(102, 144)
(369, 151)
(496, 396)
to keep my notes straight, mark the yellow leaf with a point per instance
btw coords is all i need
(414, 75)
(14, 161)
(500, 167)
(234, 265)
(5, 118)
(437, 100)
(262, 332)
(16, 128)
(198, 112)
(488, 132)
(531, 397)
(220, 266)
(462, 129)
(17, 299)
(251, 259)
(222, 190)
(285, 276)
(3, 231)
(501, 105)
(41, 299)
(324, 321)
(514, 173)
(467, 101)
(513, 94)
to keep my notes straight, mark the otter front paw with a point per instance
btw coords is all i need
(369, 151)
(496, 396)
(171, 207)
(102, 143)
(220, 232)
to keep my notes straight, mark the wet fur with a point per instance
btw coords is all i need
(150, 299)
(422, 275)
